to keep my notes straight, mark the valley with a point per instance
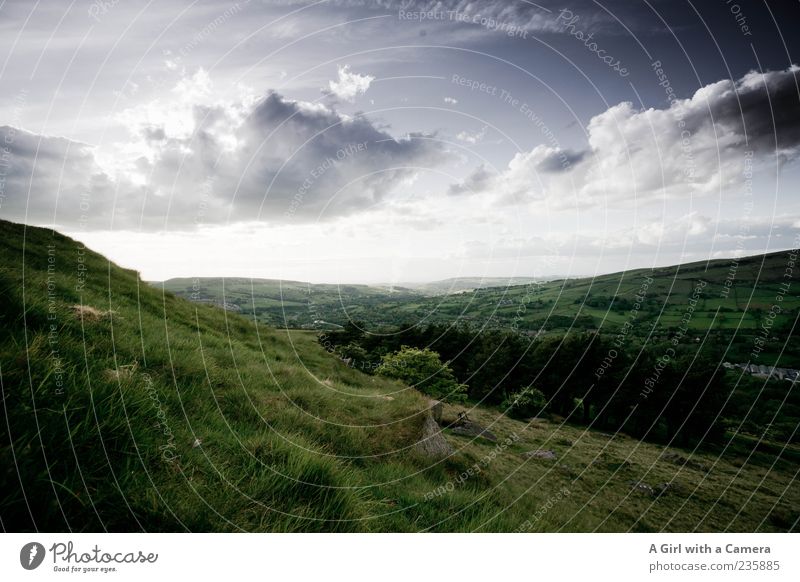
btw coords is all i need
(130, 408)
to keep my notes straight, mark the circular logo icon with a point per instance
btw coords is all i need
(31, 555)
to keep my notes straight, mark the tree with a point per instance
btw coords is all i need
(698, 396)
(354, 355)
(423, 369)
(525, 403)
(566, 366)
(353, 331)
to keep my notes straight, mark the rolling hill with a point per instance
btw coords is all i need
(734, 303)
(293, 304)
(462, 284)
(127, 408)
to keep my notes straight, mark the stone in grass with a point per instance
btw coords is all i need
(466, 427)
(432, 442)
(436, 410)
(474, 430)
(641, 487)
(541, 454)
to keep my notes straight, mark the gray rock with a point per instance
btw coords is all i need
(436, 410)
(473, 429)
(540, 454)
(641, 487)
(432, 442)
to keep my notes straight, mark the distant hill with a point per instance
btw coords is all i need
(736, 296)
(731, 298)
(275, 288)
(293, 304)
(461, 284)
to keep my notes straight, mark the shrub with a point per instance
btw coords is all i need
(525, 403)
(353, 354)
(423, 370)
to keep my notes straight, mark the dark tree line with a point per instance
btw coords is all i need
(664, 392)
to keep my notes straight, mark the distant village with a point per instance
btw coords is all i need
(221, 304)
(761, 371)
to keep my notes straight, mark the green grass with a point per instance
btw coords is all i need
(148, 412)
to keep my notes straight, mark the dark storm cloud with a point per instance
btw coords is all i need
(561, 160)
(46, 176)
(289, 161)
(311, 161)
(502, 16)
(762, 110)
(478, 181)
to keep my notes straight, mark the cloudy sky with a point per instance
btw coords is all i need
(394, 141)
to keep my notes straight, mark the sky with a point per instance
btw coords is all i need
(392, 141)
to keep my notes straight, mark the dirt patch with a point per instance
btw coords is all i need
(121, 373)
(89, 313)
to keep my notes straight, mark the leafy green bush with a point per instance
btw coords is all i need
(423, 370)
(353, 354)
(525, 403)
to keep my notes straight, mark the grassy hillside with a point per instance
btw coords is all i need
(127, 408)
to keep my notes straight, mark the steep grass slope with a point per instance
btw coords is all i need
(130, 409)
(125, 408)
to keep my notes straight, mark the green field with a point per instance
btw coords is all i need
(292, 304)
(127, 408)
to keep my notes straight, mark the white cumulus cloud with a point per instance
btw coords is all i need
(349, 85)
(697, 146)
(472, 137)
